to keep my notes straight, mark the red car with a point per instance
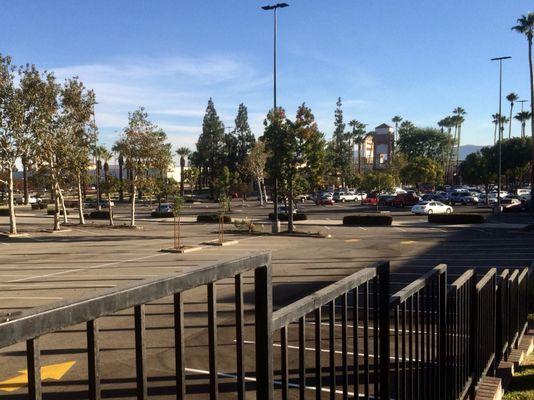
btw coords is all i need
(326, 201)
(405, 199)
(370, 200)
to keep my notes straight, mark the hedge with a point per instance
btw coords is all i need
(213, 218)
(368, 220)
(102, 214)
(284, 217)
(456, 218)
(39, 206)
(4, 212)
(155, 214)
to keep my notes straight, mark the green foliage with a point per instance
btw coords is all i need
(177, 203)
(339, 149)
(422, 142)
(378, 181)
(421, 170)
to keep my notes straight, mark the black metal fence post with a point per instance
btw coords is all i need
(383, 287)
(442, 353)
(263, 324)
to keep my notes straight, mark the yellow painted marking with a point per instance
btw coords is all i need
(407, 242)
(53, 371)
(352, 240)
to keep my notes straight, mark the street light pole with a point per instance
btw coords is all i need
(275, 7)
(499, 180)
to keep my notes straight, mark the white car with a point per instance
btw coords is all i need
(431, 207)
(344, 196)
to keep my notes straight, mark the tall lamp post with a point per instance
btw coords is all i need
(499, 182)
(275, 7)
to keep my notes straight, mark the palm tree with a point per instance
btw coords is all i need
(523, 117)
(396, 120)
(512, 97)
(459, 112)
(525, 26)
(358, 136)
(495, 121)
(183, 152)
(504, 121)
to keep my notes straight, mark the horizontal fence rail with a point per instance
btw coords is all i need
(350, 339)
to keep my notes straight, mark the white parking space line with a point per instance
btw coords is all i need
(88, 268)
(362, 228)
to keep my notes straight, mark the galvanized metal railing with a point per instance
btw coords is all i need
(365, 293)
(35, 323)
(419, 312)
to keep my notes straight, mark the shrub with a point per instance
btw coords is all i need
(4, 212)
(283, 217)
(456, 218)
(213, 218)
(155, 214)
(39, 206)
(52, 211)
(368, 220)
(102, 214)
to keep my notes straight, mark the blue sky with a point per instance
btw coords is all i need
(417, 59)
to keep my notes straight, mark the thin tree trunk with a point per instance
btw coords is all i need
(57, 224)
(111, 223)
(260, 192)
(12, 216)
(290, 212)
(132, 206)
(25, 178)
(80, 200)
(510, 123)
(62, 199)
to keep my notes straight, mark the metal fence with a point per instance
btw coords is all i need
(352, 338)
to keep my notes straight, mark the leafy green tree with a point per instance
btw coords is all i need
(477, 169)
(525, 26)
(191, 176)
(378, 181)
(244, 136)
(144, 146)
(255, 163)
(11, 132)
(210, 145)
(422, 142)
(339, 149)
(77, 107)
(420, 170)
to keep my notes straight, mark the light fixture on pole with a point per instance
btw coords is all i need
(275, 7)
(499, 181)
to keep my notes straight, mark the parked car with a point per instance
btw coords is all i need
(405, 199)
(431, 207)
(282, 209)
(513, 205)
(163, 208)
(326, 200)
(342, 196)
(360, 196)
(385, 199)
(94, 204)
(370, 200)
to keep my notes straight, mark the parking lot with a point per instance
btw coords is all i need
(43, 268)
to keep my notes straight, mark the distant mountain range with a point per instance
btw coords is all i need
(467, 149)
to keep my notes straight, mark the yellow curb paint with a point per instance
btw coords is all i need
(352, 240)
(53, 371)
(407, 242)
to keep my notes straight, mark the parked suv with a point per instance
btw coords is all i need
(464, 198)
(344, 196)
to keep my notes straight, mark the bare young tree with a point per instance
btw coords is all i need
(255, 166)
